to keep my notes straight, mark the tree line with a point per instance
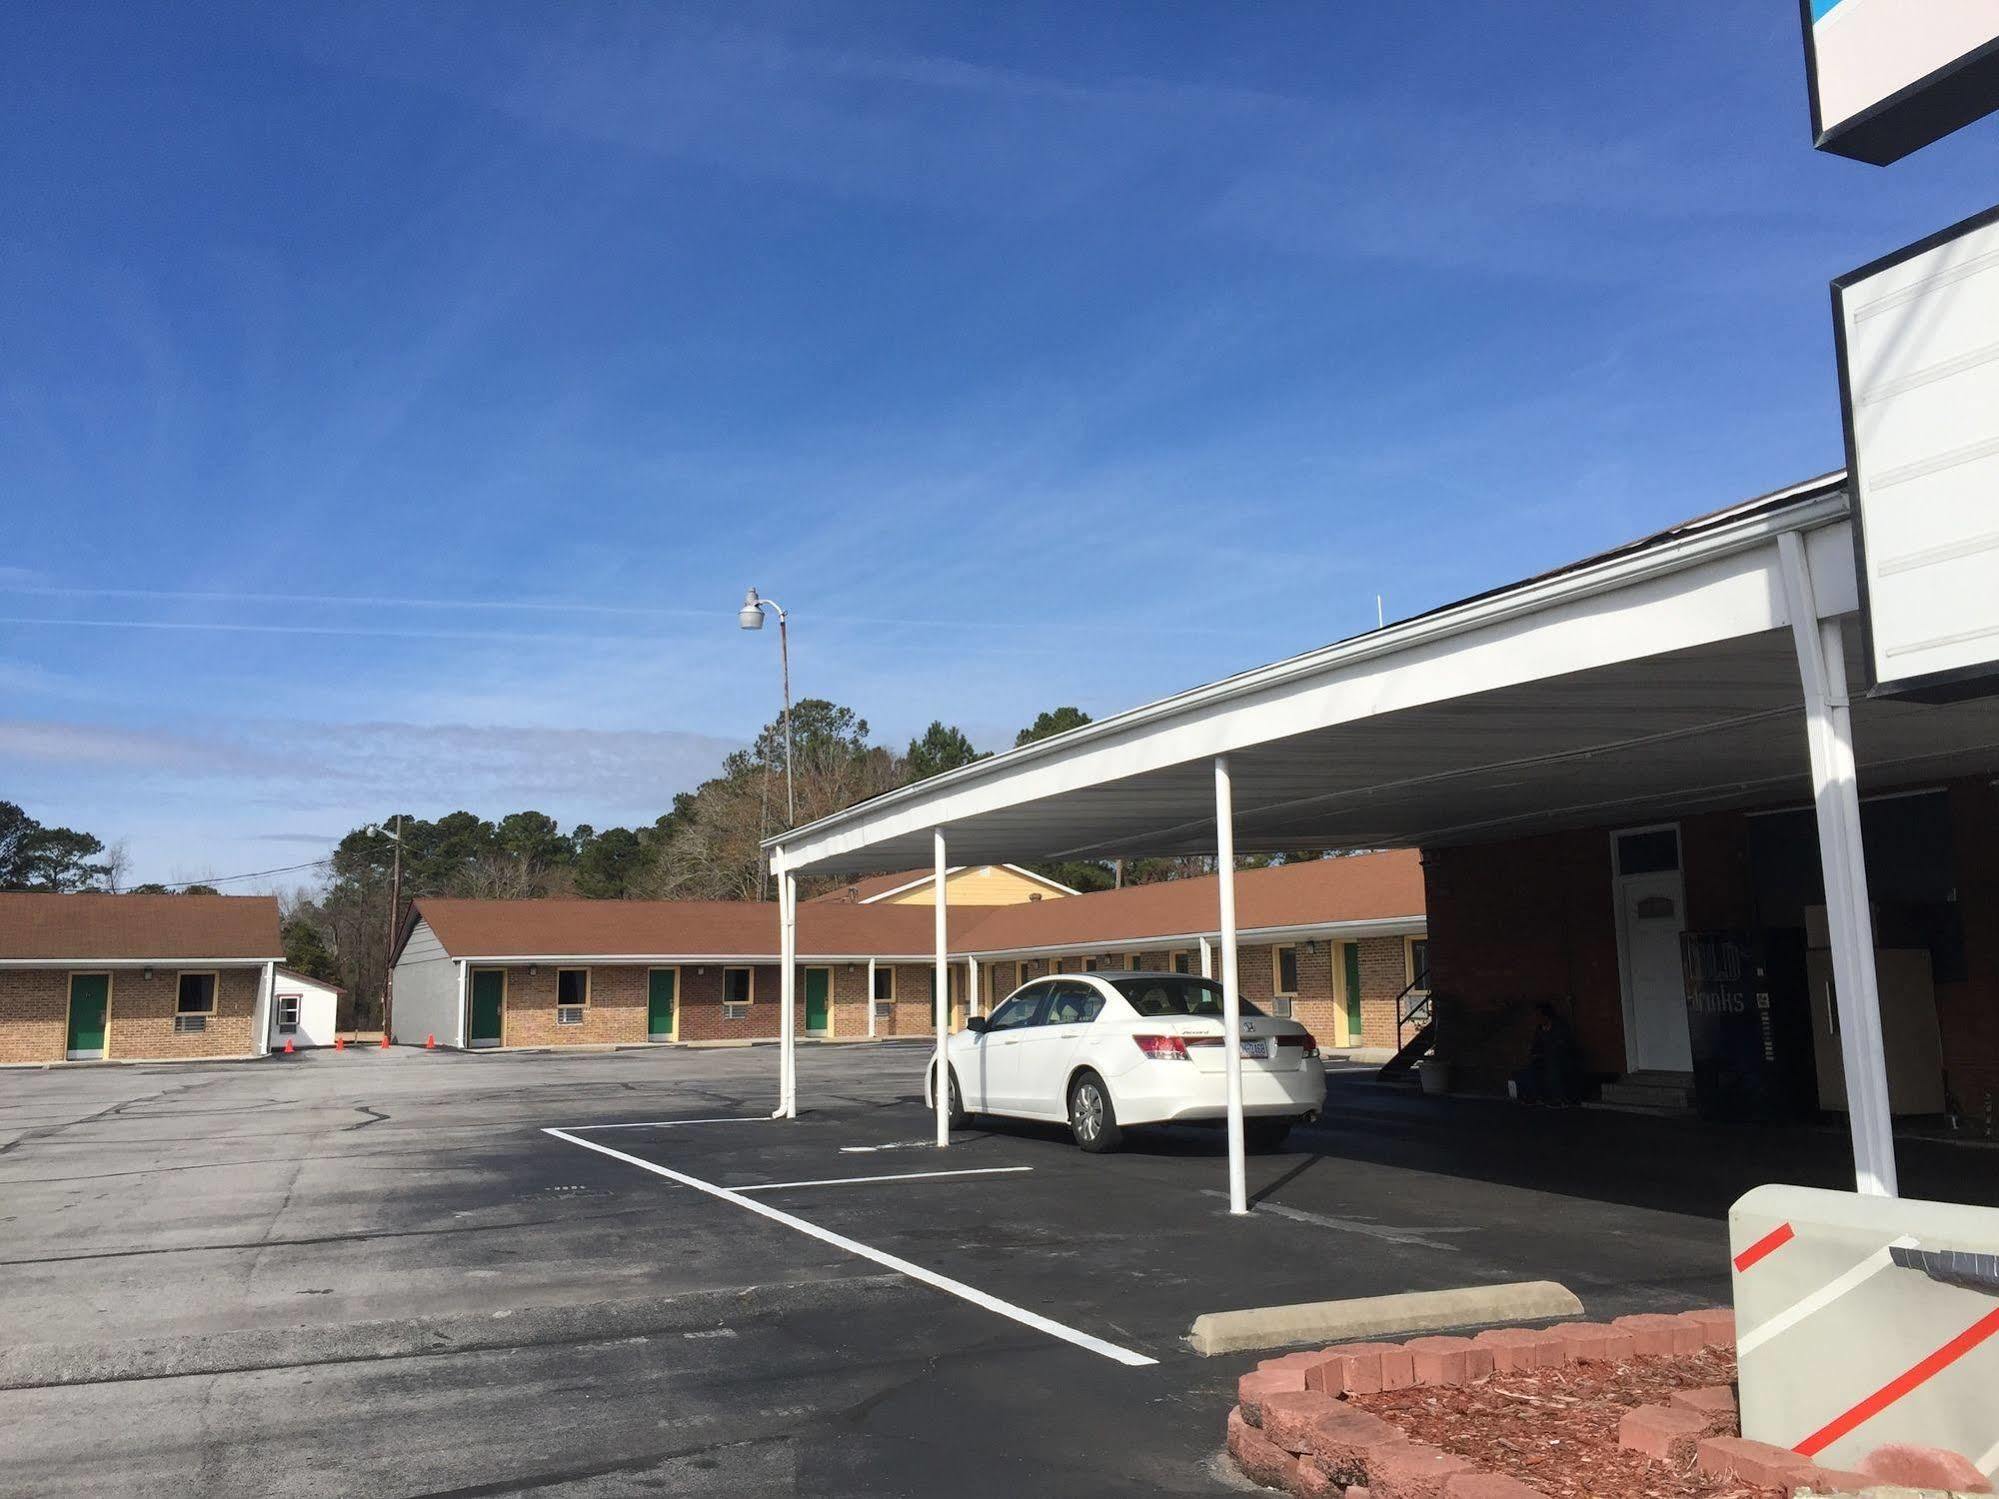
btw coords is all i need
(706, 846)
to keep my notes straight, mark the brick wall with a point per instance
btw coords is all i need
(1384, 974)
(615, 1014)
(1515, 923)
(1535, 919)
(34, 1016)
(701, 1017)
(1319, 1004)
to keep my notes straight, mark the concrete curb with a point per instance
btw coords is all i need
(1366, 1317)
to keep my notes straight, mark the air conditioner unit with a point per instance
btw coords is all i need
(569, 1014)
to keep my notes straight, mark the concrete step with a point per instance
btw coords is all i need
(1669, 1091)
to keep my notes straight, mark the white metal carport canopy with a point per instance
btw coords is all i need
(1687, 671)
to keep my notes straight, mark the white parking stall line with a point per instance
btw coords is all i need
(674, 1123)
(1782, 1322)
(893, 1176)
(1989, 1464)
(892, 1145)
(931, 1278)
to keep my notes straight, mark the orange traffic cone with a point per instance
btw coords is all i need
(339, 1043)
(288, 1046)
(430, 1042)
(385, 1040)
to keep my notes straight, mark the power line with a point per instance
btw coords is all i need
(230, 879)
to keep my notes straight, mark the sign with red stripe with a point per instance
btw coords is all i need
(1764, 1247)
(1902, 1384)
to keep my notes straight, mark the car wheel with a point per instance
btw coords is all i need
(1261, 1136)
(959, 1118)
(1092, 1119)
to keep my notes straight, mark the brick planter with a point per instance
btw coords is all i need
(1301, 1425)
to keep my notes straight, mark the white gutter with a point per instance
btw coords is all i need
(170, 963)
(671, 960)
(1717, 540)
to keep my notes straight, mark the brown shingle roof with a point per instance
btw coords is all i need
(1366, 887)
(1362, 887)
(163, 927)
(664, 928)
(867, 886)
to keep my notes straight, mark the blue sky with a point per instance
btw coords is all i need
(395, 400)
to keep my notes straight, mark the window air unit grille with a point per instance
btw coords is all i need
(190, 1025)
(569, 1014)
(734, 1010)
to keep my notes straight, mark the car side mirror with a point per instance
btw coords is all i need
(976, 1023)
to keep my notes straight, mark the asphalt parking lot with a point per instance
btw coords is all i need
(380, 1273)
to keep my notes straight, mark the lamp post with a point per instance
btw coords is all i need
(395, 902)
(751, 617)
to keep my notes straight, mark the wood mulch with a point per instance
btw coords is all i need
(1557, 1428)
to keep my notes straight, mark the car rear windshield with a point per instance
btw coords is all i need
(1176, 994)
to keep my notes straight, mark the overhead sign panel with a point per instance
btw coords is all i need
(1890, 76)
(1918, 335)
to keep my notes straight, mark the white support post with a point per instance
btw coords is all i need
(1821, 653)
(871, 998)
(1231, 992)
(267, 988)
(787, 980)
(1207, 959)
(972, 1003)
(464, 1027)
(941, 986)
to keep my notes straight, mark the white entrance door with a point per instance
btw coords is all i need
(1651, 915)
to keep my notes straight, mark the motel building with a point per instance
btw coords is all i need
(1336, 942)
(1625, 780)
(137, 978)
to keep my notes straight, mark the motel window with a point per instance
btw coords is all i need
(738, 989)
(1287, 971)
(1419, 964)
(1649, 851)
(572, 987)
(196, 995)
(1089, 965)
(287, 1014)
(884, 983)
(957, 985)
(1183, 962)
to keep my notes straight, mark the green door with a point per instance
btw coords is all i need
(489, 995)
(818, 990)
(1353, 993)
(89, 998)
(662, 986)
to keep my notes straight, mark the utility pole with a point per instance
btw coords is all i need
(395, 908)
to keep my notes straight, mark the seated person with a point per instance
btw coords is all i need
(1550, 1074)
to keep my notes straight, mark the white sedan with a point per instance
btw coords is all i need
(1103, 1051)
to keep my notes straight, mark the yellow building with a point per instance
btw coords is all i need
(972, 885)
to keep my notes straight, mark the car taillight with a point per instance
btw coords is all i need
(1308, 1041)
(1163, 1048)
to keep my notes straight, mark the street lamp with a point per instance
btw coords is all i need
(751, 617)
(395, 900)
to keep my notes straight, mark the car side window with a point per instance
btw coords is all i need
(1074, 1004)
(1022, 1010)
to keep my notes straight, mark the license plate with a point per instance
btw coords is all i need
(1257, 1050)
